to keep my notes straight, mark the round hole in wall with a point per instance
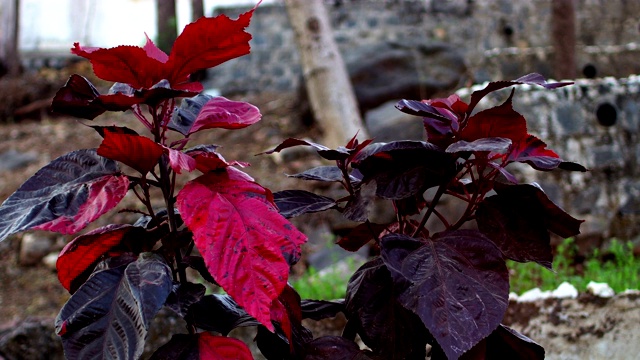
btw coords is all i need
(606, 114)
(589, 71)
(507, 30)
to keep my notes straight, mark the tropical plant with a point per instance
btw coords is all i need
(447, 289)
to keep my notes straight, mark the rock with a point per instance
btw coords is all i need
(602, 290)
(12, 160)
(534, 294)
(50, 260)
(386, 123)
(33, 248)
(411, 69)
(32, 339)
(565, 291)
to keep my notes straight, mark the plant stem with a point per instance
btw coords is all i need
(441, 190)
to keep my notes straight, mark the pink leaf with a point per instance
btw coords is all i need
(154, 52)
(104, 194)
(246, 244)
(220, 112)
(180, 161)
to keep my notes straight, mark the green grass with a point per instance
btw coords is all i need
(325, 285)
(621, 272)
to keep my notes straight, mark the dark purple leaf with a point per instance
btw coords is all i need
(219, 313)
(531, 79)
(534, 152)
(518, 219)
(383, 324)
(359, 206)
(457, 283)
(361, 235)
(496, 144)
(321, 309)
(109, 315)
(323, 151)
(334, 348)
(114, 129)
(197, 263)
(76, 98)
(183, 295)
(322, 173)
(404, 168)
(180, 347)
(297, 202)
(506, 343)
(65, 195)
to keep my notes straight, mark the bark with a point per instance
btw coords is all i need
(166, 23)
(331, 95)
(197, 9)
(9, 31)
(563, 35)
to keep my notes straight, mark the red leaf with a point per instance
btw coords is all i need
(207, 159)
(139, 152)
(84, 250)
(244, 241)
(103, 195)
(220, 112)
(500, 121)
(126, 64)
(206, 43)
(213, 347)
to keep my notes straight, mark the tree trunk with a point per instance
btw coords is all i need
(166, 23)
(331, 95)
(563, 37)
(197, 9)
(10, 24)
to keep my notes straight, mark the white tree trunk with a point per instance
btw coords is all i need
(331, 95)
(9, 25)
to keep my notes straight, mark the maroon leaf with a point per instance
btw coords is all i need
(139, 152)
(534, 152)
(184, 295)
(84, 250)
(518, 219)
(335, 348)
(383, 324)
(360, 236)
(181, 346)
(457, 283)
(321, 309)
(506, 343)
(219, 313)
(76, 98)
(531, 79)
(500, 121)
(292, 203)
(211, 347)
(109, 315)
(220, 112)
(404, 168)
(244, 241)
(65, 195)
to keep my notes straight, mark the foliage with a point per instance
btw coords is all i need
(328, 284)
(616, 266)
(448, 289)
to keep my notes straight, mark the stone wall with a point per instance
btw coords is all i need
(500, 39)
(595, 123)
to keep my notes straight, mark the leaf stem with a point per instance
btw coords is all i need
(436, 198)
